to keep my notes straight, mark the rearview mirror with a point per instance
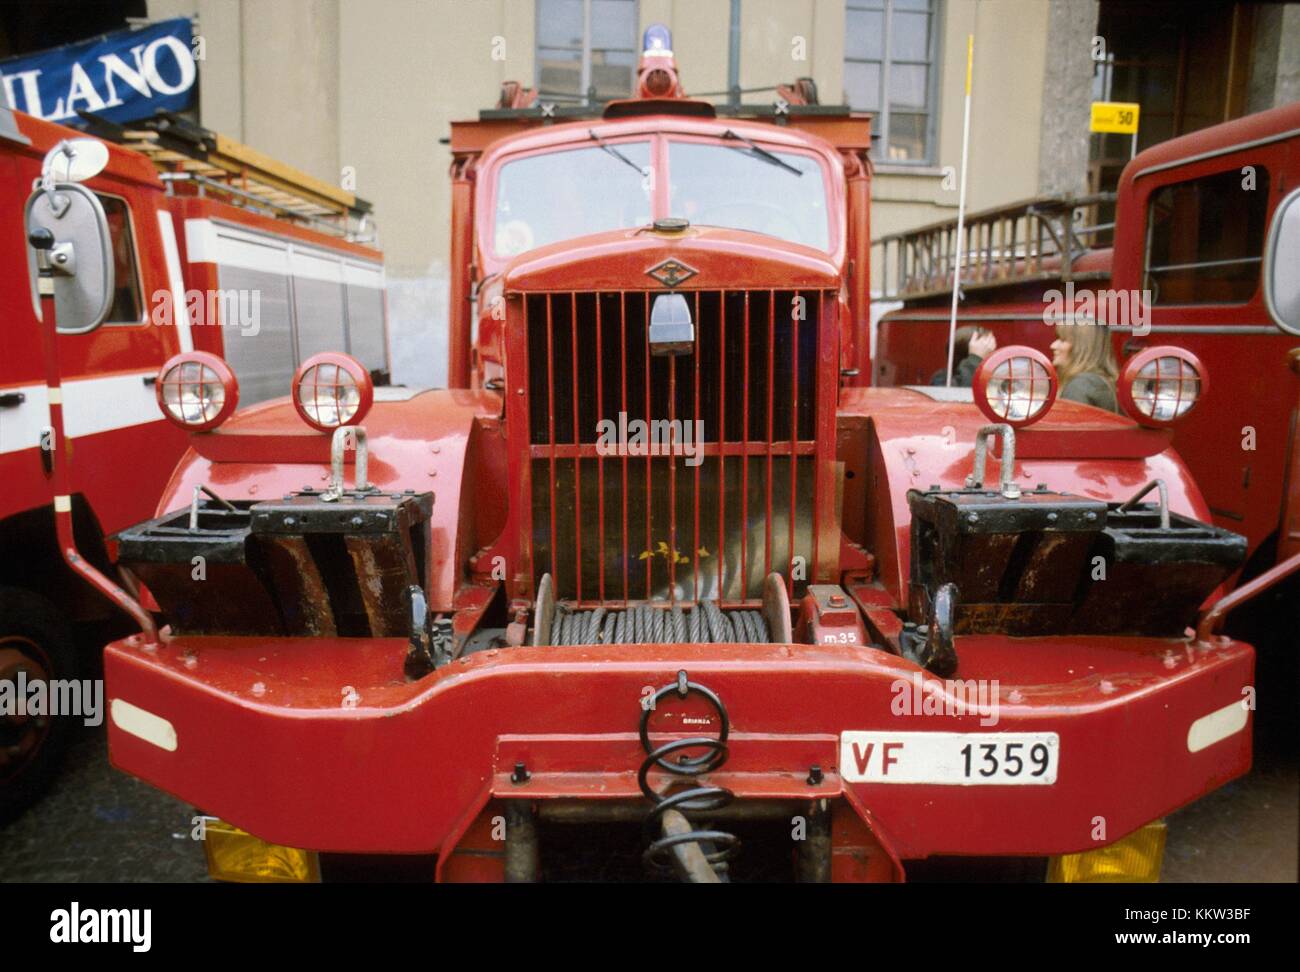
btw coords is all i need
(69, 244)
(1282, 265)
(74, 160)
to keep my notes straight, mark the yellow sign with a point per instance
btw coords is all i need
(1115, 116)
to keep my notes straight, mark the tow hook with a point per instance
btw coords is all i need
(931, 645)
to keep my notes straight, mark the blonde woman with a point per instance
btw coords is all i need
(1085, 363)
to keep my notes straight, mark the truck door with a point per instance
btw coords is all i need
(125, 449)
(1203, 242)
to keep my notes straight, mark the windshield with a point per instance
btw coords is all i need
(745, 187)
(556, 196)
(608, 185)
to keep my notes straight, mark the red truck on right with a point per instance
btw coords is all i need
(1196, 218)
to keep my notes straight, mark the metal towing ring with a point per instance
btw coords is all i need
(701, 799)
(695, 765)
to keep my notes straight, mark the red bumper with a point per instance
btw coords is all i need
(321, 744)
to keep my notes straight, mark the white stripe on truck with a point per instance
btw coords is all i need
(175, 282)
(212, 241)
(90, 406)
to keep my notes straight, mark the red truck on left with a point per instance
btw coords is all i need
(210, 246)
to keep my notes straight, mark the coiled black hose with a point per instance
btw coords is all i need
(706, 623)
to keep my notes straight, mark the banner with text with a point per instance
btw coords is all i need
(124, 76)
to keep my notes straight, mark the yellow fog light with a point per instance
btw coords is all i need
(236, 855)
(1135, 859)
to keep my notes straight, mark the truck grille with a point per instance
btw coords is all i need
(619, 527)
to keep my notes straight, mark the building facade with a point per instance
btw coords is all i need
(361, 91)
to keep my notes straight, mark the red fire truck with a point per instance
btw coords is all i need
(1189, 238)
(214, 248)
(659, 582)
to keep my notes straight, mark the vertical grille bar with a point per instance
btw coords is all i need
(771, 398)
(695, 547)
(575, 379)
(672, 483)
(722, 437)
(600, 460)
(744, 464)
(530, 540)
(649, 460)
(817, 492)
(794, 433)
(622, 357)
(550, 391)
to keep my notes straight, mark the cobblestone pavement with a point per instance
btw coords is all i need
(99, 824)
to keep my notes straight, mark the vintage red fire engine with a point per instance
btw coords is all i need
(522, 629)
(1190, 238)
(210, 247)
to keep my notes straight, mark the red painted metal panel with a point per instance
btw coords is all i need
(293, 766)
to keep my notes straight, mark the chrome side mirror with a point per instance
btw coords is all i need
(69, 244)
(1281, 272)
(73, 160)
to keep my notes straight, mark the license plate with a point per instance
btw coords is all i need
(950, 758)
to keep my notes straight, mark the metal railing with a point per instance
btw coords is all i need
(1035, 239)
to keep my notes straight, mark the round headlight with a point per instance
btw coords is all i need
(197, 390)
(332, 389)
(1015, 385)
(1160, 385)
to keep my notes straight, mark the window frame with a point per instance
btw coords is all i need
(134, 241)
(1148, 237)
(880, 117)
(584, 51)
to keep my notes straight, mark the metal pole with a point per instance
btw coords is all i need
(961, 211)
(733, 55)
(584, 82)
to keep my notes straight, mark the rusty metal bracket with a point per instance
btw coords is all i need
(1132, 502)
(1007, 483)
(356, 436)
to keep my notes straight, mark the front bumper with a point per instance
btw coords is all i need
(321, 744)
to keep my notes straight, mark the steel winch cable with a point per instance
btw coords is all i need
(706, 623)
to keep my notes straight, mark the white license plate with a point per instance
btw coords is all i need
(950, 758)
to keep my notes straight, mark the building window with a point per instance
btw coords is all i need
(1205, 240)
(586, 48)
(893, 80)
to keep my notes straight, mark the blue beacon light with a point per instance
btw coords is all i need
(657, 40)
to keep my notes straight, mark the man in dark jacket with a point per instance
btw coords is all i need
(971, 345)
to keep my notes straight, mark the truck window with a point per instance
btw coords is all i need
(126, 307)
(557, 196)
(1205, 239)
(780, 194)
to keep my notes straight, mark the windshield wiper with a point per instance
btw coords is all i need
(762, 153)
(605, 146)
